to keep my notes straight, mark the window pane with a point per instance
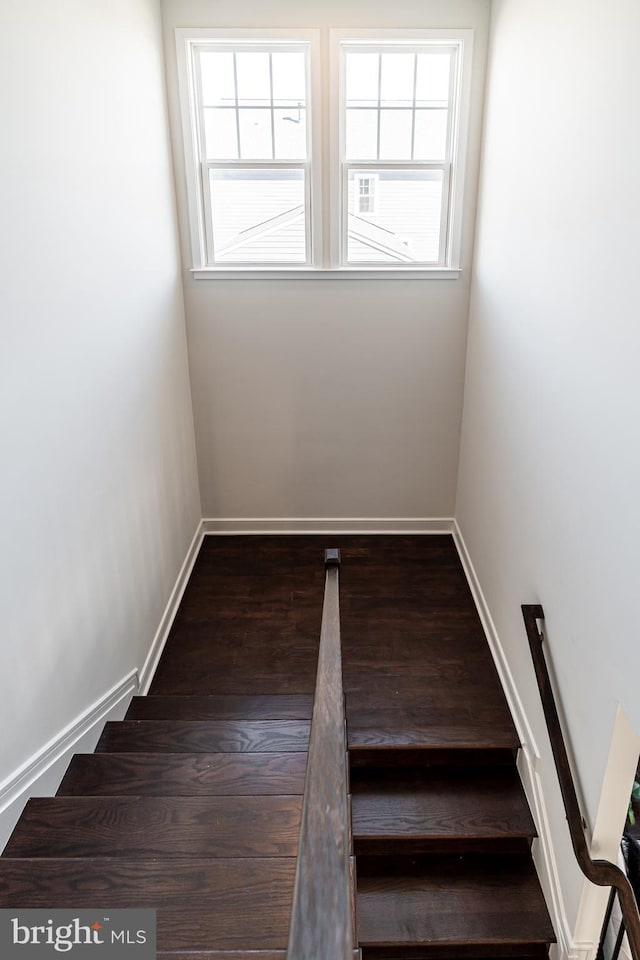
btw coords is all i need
(397, 79)
(254, 84)
(362, 79)
(430, 135)
(290, 128)
(220, 134)
(362, 135)
(289, 79)
(258, 216)
(432, 87)
(405, 227)
(218, 87)
(395, 134)
(255, 135)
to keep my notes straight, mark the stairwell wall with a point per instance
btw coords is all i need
(327, 398)
(550, 461)
(98, 489)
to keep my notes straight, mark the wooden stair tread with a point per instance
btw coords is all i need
(450, 900)
(464, 722)
(220, 707)
(437, 803)
(399, 735)
(466, 707)
(199, 736)
(223, 955)
(228, 827)
(231, 955)
(202, 905)
(183, 774)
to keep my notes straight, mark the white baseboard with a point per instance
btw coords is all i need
(40, 775)
(528, 765)
(582, 951)
(166, 621)
(513, 697)
(309, 525)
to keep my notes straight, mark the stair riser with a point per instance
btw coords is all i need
(385, 758)
(468, 952)
(377, 847)
(220, 708)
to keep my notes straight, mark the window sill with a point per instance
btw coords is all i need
(307, 273)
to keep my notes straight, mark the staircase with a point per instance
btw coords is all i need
(191, 804)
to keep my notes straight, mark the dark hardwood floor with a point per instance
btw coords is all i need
(194, 799)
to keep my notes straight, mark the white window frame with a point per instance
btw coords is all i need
(454, 167)
(197, 166)
(325, 193)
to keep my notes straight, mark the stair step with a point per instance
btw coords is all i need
(440, 810)
(223, 707)
(393, 730)
(467, 704)
(221, 827)
(199, 736)
(232, 955)
(175, 775)
(224, 955)
(203, 905)
(393, 738)
(451, 902)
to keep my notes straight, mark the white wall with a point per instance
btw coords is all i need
(98, 487)
(548, 499)
(332, 398)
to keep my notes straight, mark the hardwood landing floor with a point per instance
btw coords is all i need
(414, 652)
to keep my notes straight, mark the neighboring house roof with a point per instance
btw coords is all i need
(246, 239)
(379, 238)
(249, 243)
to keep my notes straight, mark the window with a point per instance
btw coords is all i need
(366, 193)
(397, 104)
(250, 147)
(397, 116)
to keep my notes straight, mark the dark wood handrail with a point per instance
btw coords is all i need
(601, 872)
(321, 916)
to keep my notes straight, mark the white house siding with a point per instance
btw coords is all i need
(281, 244)
(249, 201)
(408, 208)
